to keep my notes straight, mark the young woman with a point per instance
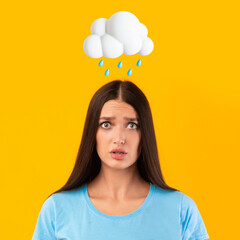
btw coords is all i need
(116, 189)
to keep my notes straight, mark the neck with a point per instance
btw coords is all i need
(118, 184)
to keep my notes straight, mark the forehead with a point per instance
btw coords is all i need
(117, 106)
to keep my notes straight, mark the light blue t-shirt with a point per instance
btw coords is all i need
(164, 215)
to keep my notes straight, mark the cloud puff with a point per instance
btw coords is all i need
(121, 34)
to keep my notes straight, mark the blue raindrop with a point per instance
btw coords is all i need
(129, 72)
(107, 72)
(139, 63)
(120, 64)
(100, 63)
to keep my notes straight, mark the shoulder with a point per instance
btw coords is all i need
(169, 196)
(48, 208)
(188, 208)
(62, 204)
(179, 198)
(67, 198)
(191, 220)
(187, 202)
(54, 210)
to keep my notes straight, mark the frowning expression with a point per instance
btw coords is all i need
(118, 128)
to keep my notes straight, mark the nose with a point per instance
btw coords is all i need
(119, 136)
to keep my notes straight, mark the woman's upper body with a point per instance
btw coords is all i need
(165, 215)
(127, 197)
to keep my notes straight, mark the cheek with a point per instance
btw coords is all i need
(135, 141)
(101, 142)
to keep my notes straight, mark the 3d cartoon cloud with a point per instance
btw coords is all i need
(121, 34)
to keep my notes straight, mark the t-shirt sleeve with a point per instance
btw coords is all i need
(45, 227)
(193, 227)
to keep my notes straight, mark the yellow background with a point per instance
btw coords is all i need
(191, 80)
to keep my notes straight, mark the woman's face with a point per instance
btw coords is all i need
(118, 128)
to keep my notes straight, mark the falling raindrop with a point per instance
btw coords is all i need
(107, 72)
(120, 64)
(100, 63)
(139, 63)
(129, 72)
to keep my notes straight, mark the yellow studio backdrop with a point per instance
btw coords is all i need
(191, 80)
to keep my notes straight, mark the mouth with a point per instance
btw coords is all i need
(118, 155)
(118, 151)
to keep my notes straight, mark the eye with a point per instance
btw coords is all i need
(134, 124)
(104, 124)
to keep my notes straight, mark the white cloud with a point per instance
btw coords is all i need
(121, 34)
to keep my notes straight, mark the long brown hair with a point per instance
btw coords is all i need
(88, 163)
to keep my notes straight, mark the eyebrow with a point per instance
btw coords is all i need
(126, 118)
